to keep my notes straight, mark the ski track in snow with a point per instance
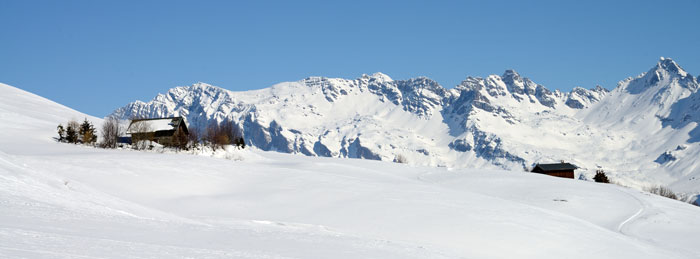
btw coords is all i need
(642, 208)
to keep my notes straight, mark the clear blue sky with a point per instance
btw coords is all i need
(95, 56)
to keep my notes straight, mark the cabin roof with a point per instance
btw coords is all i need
(556, 167)
(157, 124)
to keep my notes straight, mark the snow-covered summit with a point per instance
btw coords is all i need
(379, 76)
(671, 67)
(506, 121)
(666, 74)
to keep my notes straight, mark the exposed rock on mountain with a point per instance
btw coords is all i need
(503, 121)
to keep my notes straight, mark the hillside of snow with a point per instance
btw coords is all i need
(67, 201)
(642, 133)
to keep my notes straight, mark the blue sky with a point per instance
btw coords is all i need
(96, 56)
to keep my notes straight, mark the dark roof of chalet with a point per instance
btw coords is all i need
(556, 167)
(161, 124)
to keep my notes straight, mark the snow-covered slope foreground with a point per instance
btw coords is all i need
(28, 120)
(66, 201)
(642, 133)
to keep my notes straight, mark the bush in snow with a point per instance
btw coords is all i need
(239, 142)
(110, 132)
(400, 159)
(226, 133)
(600, 177)
(662, 191)
(582, 177)
(194, 138)
(180, 140)
(141, 134)
(61, 133)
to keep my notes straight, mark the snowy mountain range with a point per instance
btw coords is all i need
(642, 132)
(60, 200)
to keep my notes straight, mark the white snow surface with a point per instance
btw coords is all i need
(643, 133)
(66, 201)
(154, 125)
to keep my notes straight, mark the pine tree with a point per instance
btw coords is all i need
(87, 132)
(239, 142)
(71, 135)
(600, 177)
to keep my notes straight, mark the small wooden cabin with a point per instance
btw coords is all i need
(562, 169)
(170, 131)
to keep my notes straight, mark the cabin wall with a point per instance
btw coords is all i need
(163, 139)
(563, 174)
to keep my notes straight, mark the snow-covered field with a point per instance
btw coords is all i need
(66, 201)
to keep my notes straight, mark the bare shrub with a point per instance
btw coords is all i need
(210, 132)
(662, 191)
(141, 134)
(226, 133)
(110, 132)
(180, 139)
(195, 137)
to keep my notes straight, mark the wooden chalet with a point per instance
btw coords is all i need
(562, 169)
(165, 131)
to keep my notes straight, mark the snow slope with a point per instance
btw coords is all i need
(66, 201)
(642, 133)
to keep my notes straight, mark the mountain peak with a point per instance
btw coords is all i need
(510, 76)
(201, 84)
(599, 88)
(515, 84)
(667, 64)
(510, 73)
(665, 73)
(381, 77)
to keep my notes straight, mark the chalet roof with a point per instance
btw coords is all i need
(156, 124)
(556, 167)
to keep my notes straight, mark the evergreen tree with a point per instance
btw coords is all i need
(71, 135)
(87, 132)
(239, 142)
(600, 177)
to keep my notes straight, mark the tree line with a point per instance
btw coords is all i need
(75, 132)
(215, 135)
